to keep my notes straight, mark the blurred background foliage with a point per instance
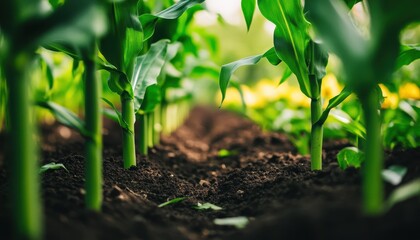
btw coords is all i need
(220, 36)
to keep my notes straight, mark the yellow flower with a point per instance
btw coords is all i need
(232, 97)
(270, 91)
(251, 98)
(390, 99)
(297, 98)
(330, 87)
(409, 90)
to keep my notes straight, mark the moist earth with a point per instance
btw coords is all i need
(263, 179)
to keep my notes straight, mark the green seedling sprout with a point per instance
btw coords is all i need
(172, 201)
(52, 166)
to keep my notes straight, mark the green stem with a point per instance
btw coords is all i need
(127, 111)
(316, 135)
(163, 120)
(93, 145)
(157, 128)
(151, 123)
(373, 189)
(26, 200)
(143, 140)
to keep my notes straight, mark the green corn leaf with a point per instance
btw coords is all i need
(76, 23)
(133, 42)
(336, 29)
(228, 69)
(332, 103)
(119, 83)
(47, 69)
(148, 21)
(146, 70)
(290, 36)
(394, 174)
(52, 166)
(320, 60)
(248, 9)
(64, 116)
(408, 54)
(207, 206)
(287, 73)
(404, 192)
(350, 157)
(116, 115)
(172, 201)
(238, 222)
(178, 9)
(272, 57)
(152, 98)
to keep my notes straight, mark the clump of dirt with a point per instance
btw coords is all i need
(263, 179)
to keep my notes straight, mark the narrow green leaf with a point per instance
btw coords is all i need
(207, 206)
(403, 193)
(228, 69)
(350, 157)
(64, 116)
(394, 174)
(287, 73)
(116, 116)
(272, 57)
(52, 166)
(47, 69)
(178, 9)
(353, 126)
(408, 54)
(172, 201)
(152, 98)
(290, 36)
(248, 9)
(332, 103)
(238, 222)
(148, 21)
(146, 70)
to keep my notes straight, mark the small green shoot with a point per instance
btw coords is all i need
(172, 201)
(350, 157)
(52, 166)
(207, 206)
(394, 174)
(226, 153)
(238, 222)
(403, 193)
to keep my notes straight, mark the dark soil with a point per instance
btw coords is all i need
(265, 181)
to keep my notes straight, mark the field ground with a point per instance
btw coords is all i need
(264, 179)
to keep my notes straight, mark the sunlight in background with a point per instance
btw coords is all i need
(230, 10)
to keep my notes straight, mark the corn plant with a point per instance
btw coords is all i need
(303, 56)
(18, 21)
(131, 73)
(367, 62)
